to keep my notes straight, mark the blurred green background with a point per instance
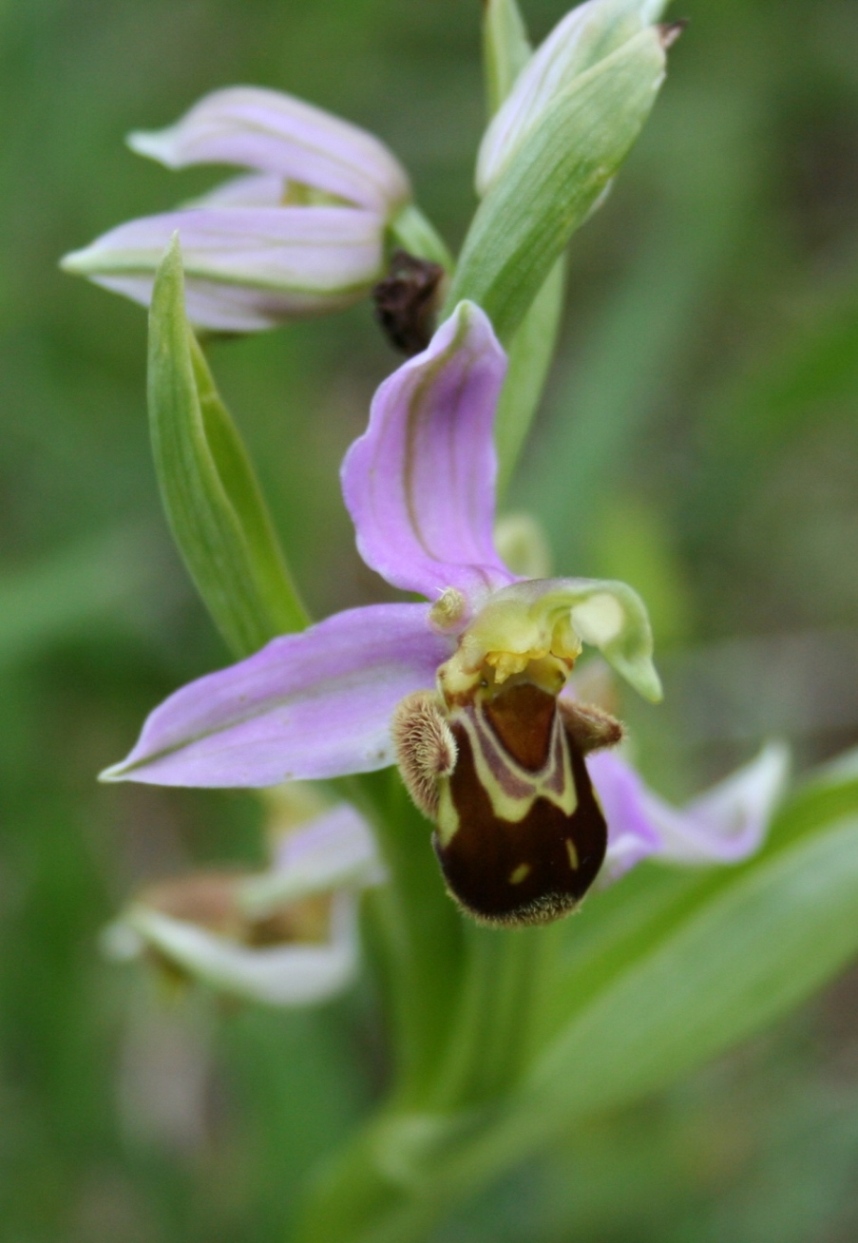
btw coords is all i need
(697, 439)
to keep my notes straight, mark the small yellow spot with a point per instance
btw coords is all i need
(520, 874)
(573, 854)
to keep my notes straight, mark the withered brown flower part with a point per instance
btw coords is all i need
(406, 301)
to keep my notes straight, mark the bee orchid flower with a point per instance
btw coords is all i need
(463, 692)
(300, 234)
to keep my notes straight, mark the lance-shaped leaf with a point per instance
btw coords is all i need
(759, 942)
(213, 501)
(551, 182)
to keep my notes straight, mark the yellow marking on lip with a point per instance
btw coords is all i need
(574, 861)
(519, 874)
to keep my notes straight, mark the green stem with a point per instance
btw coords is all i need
(420, 935)
(530, 356)
(414, 233)
(487, 1045)
(404, 1172)
(365, 1195)
(461, 1006)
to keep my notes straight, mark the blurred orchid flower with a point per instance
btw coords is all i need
(301, 235)
(461, 692)
(287, 937)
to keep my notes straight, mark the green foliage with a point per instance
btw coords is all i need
(530, 355)
(506, 51)
(740, 949)
(213, 502)
(721, 261)
(663, 978)
(411, 231)
(552, 180)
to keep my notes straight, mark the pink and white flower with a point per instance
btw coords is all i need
(301, 234)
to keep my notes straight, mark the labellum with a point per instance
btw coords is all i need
(499, 767)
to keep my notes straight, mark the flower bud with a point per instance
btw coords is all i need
(585, 36)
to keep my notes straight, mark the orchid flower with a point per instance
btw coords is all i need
(287, 937)
(301, 234)
(462, 692)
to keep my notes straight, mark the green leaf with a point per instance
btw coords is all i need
(757, 948)
(679, 967)
(550, 182)
(506, 49)
(213, 502)
(688, 965)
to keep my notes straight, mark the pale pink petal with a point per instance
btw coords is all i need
(420, 483)
(724, 825)
(336, 850)
(276, 133)
(298, 974)
(248, 190)
(245, 268)
(309, 705)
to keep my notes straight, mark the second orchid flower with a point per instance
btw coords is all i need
(300, 234)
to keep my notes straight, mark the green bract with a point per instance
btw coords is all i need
(586, 36)
(506, 49)
(213, 501)
(551, 182)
